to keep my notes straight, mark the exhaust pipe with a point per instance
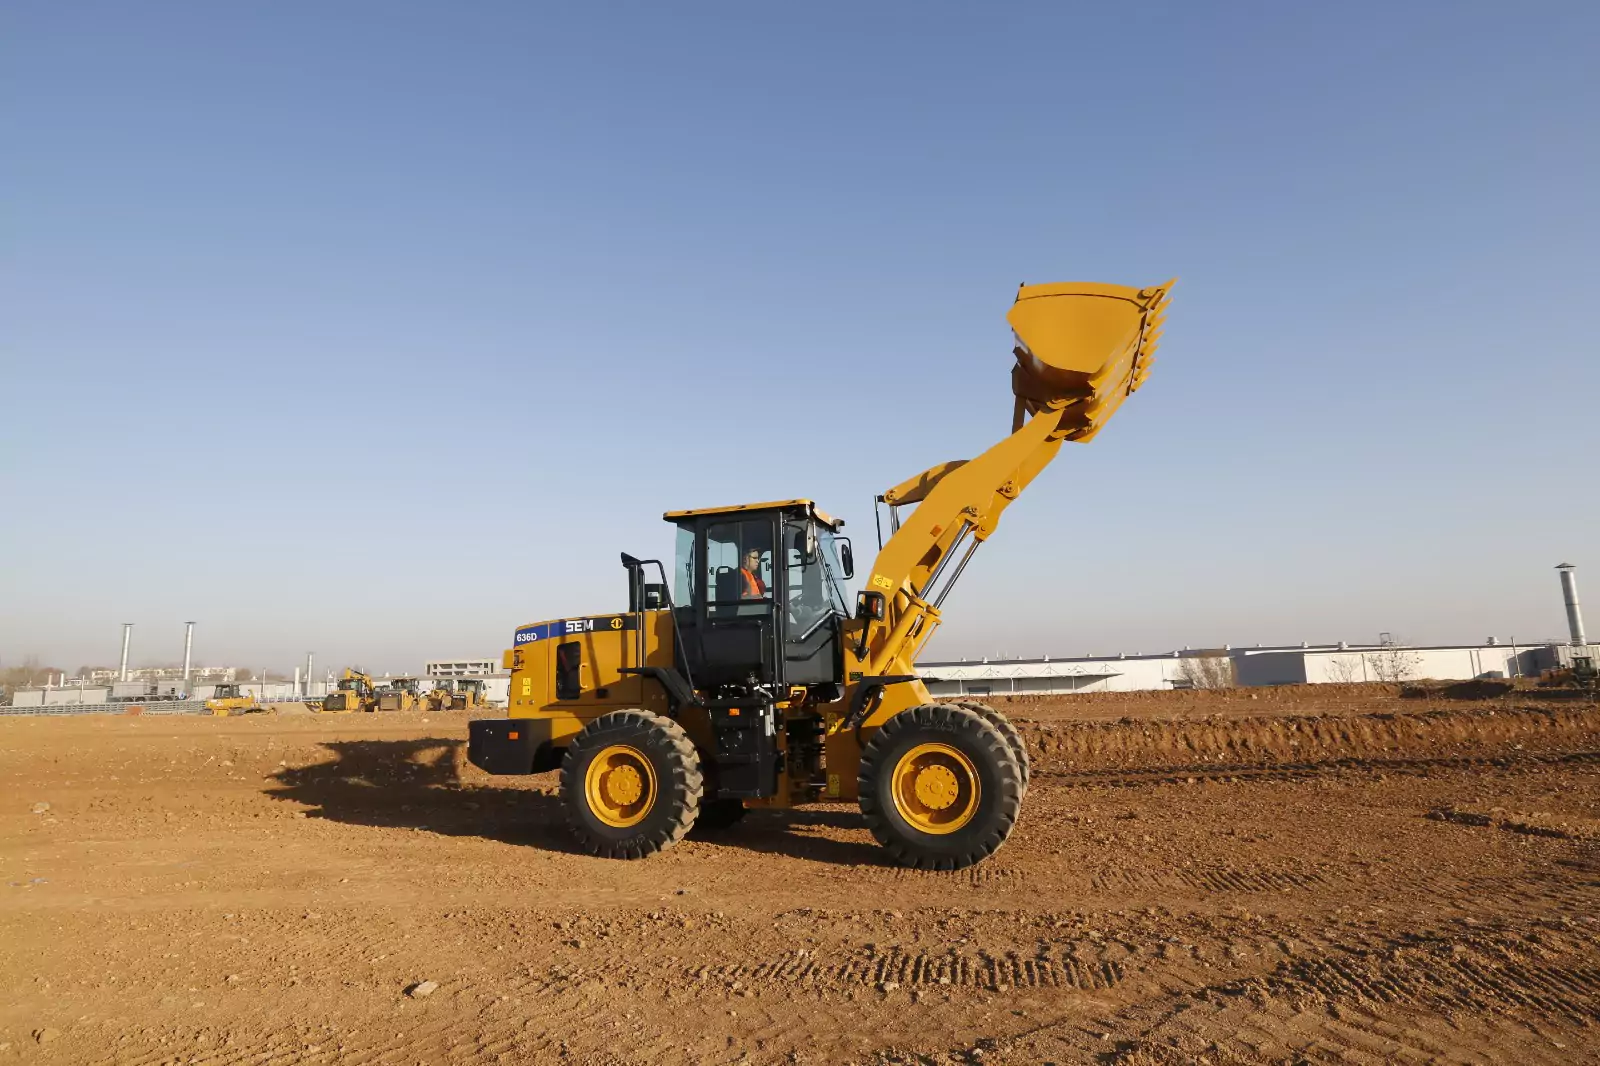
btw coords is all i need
(1569, 593)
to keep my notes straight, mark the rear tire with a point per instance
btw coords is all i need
(631, 784)
(940, 787)
(1003, 726)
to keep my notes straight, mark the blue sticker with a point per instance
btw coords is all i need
(569, 626)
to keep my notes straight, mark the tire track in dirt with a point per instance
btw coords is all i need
(1217, 880)
(897, 969)
(1363, 998)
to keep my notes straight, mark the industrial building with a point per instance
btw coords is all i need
(460, 667)
(1298, 665)
(1246, 667)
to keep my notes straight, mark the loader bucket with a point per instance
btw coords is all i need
(1081, 349)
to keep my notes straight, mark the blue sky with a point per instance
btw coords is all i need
(377, 329)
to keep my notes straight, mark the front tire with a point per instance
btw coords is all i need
(630, 784)
(940, 787)
(1003, 726)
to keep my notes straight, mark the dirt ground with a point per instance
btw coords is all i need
(1300, 875)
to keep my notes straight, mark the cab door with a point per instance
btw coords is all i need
(808, 616)
(732, 570)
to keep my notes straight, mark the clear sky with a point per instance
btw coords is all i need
(379, 328)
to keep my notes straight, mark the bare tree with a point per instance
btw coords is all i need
(1393, 663)
(1207, 669)
(1344, 669)
(29, 674)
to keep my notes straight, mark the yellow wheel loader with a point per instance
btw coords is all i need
(745, 678)
(440, 697)
(466, 694)
(355, 693)
(226, 700)
(400, 694)
(455, 694)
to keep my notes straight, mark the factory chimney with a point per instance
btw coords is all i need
(127, 635)
(188, 647)
(307, 692)
(1569, 592)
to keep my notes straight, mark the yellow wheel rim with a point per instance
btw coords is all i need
(621, 786)
(936, 788)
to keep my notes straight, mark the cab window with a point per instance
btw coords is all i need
(738, 568)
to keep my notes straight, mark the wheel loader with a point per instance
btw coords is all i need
(746, 678)
(467, 694)
(455, 694)
(439, 697)
(355, 693)
(400, 694)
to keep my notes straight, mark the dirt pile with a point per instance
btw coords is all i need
(1309, 740)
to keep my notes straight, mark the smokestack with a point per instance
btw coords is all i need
(307, 692)
(188, 646)
(1569, 592)
(127, 635)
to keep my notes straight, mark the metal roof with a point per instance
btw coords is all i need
(770, 505)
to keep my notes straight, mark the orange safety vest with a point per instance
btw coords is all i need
(754, 587)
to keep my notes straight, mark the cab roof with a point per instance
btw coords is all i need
(770, 505)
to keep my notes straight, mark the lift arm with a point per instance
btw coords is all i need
(1081, 350)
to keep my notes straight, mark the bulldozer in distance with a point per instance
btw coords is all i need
(746, 678)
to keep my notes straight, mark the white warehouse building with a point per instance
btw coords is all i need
(1299, 665)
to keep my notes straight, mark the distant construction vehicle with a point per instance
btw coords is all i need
(227, 699)
(746, 679)
(355, 693)
(400, 694)
(456, 694)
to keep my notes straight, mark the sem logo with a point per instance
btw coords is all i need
(579, 625)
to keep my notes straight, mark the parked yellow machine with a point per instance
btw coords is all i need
(400, 694)
(467, 694)
(355, 693)
(456, 694)
(750, 681)
(226, 699)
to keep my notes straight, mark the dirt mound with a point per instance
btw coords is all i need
(1482, 688)
(1309, 739)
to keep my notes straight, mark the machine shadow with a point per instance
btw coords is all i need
(418, 784)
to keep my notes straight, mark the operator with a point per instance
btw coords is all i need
(751, 587)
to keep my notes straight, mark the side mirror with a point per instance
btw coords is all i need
(870, 606)
(847, 558)
(804, 546)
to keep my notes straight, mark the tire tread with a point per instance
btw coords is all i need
(683, 792)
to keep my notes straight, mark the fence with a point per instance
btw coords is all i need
(134, 707)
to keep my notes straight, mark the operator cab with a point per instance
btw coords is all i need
(759, 595)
